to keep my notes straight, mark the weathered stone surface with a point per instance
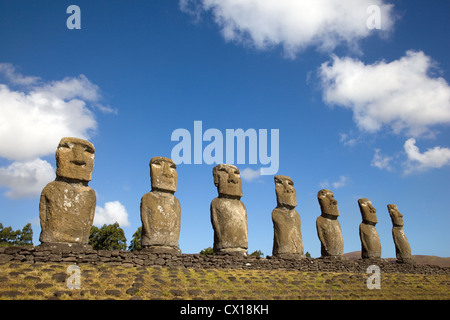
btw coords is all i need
(75, 159)
(160, 209)
(370, 241)
(229, 219)
(59, 277)
(67, 205)
(5, 258)
(227, 179)
(402, 248)
(328, 227)
(228, 213)
(287, 240)
(209, 262)
(11, 294)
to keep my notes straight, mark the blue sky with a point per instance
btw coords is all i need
(362, 111)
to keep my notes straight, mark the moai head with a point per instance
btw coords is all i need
(163, 174)
(227, 179)
(284, 189)
(328, 205)
(368, 212)
(75, 159)
(396, 216)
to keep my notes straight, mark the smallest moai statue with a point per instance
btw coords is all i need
(370, 241)
(328, 227)
(287, 239)
(161, 210)
(402, 248)
(228, 212)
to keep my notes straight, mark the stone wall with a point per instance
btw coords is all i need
(141, 258)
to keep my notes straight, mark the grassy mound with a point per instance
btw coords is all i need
(98, 282)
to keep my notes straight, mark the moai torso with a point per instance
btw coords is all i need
(228, 213)
(402, 248)
(67, 213)
(328, 227)
(67, 205)
(370, 241)
(287, 240)
(160, 209)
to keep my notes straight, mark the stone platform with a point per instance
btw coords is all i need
(141, 258)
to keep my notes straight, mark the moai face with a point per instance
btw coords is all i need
(396, 216)
(163, 174)
(75, 159)
(284, 189)
(368, 212)
(227, 179)
(328, 205)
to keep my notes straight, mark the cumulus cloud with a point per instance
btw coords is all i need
(401, 95)
(294, 25)
(436, 157)
(32, 122)
(34, 116)
(14, 77)
(381, 161)
(249, 174)
(112, 212)
(26, 179)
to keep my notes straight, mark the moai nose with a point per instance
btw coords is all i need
(288, 188)
(166, 170)
(78, 155)
(232, 178)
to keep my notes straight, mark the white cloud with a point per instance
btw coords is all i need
(113, 212)
(436, 157)
(34, 116)
(292, 24)
(9, 71)
(400, 95)
(32, 123)
(26, 179)
(346, 140)
(249, 174)
(342, 182)
(380, 161)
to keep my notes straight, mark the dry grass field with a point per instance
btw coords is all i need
(100, 282)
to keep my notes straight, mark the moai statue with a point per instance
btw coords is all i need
(228, 213)
(402, 248)
(287, 239)
(67, 205)
(161, 210)
(328, 227)
(370, 241)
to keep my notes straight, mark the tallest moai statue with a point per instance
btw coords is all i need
(67, 205)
